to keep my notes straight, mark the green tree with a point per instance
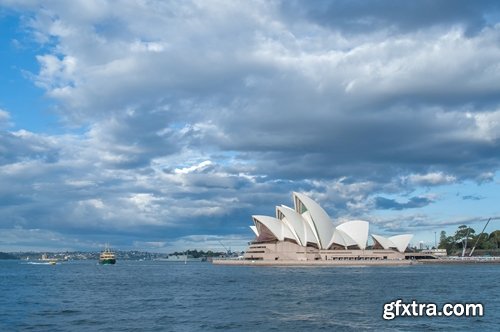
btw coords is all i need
(495, 239)
(483, 241)
(447, 242)
(464, 236)
(443, 240)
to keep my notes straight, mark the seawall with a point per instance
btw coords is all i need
(314, 263)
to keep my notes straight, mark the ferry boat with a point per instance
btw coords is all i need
(107, 257)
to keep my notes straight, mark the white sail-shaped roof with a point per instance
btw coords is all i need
(341, 238)
(275, 226)
(318, 219)
(254, 229)
(383, 241)
(356, 230)
(401, 241)
(297, 224)
(294, 223)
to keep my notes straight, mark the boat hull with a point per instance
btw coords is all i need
(107, 261)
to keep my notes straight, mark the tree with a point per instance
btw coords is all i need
(443, 240)
(483, 241)
(495, 238)
(447, 242)
(464, 236)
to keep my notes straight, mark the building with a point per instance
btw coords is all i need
(306, 233)
(435, 252)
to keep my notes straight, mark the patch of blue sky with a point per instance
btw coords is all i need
(492, 18)
(29, 109)
(468, 198)
(470, 202)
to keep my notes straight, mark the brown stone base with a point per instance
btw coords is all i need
(314, 263)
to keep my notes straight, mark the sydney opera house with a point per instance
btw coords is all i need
(306, 233)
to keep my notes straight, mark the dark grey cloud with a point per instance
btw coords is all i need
(383, 203)
(21, 145)
(402, 16)
(368, 146)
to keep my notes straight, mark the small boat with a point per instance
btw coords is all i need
(107, 257)
(46, 260)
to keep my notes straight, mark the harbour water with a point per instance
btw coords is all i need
(163, 296)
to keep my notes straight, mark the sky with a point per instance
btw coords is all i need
(164, 125)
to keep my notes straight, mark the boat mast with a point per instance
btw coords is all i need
(477, 240)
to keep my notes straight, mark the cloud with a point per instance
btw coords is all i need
(191, 116)
(340, 103)
(472, 197)
(418, 222)
(4, 118)
(22, 146)
(434, 178)
(361, 17)
(191, 169)
(383, 203)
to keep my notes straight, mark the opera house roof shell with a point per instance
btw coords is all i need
(399, 242)
(308, 224)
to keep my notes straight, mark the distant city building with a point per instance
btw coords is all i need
(306, 232)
